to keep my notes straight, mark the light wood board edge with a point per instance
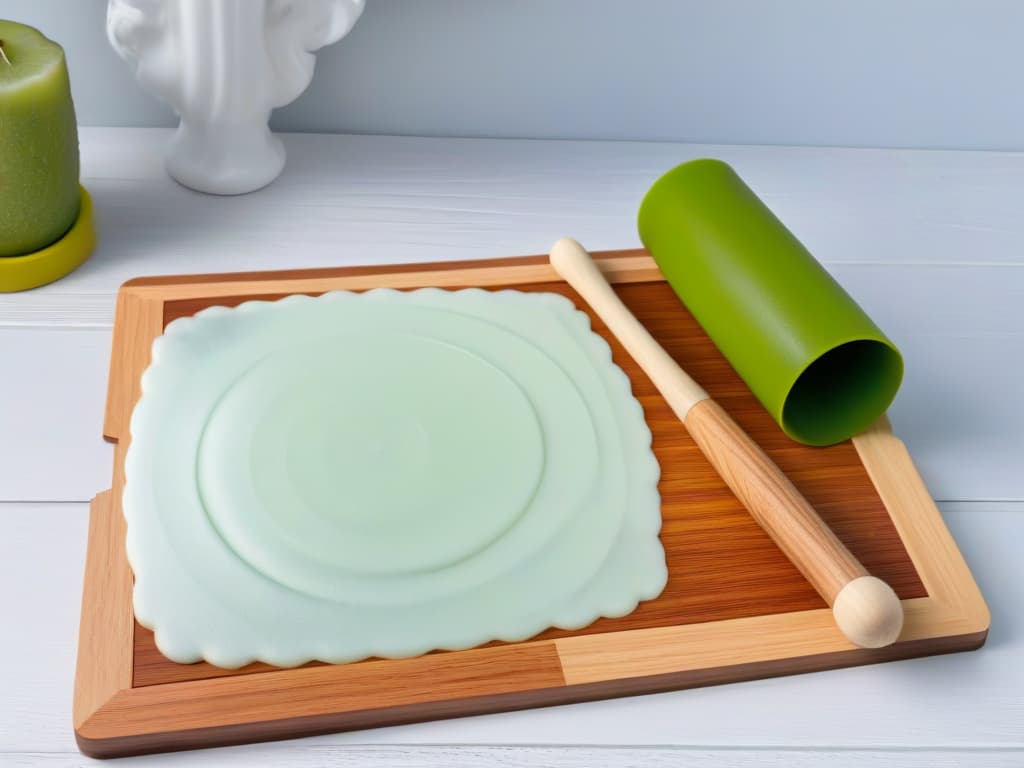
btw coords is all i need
(931, 546)
(107, 709)
(429, 682)
(138, 321)
(107, 624)
(954, 606)
(618, 266)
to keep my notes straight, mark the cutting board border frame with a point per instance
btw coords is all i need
(111, 718)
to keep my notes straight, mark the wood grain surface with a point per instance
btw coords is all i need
(714, 547)
(772, 499)
(734, 607)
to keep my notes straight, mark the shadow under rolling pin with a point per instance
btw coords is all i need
(866, 609)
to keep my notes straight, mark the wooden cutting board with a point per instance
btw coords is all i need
(734, 608)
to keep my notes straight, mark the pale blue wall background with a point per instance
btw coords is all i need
(915, 73)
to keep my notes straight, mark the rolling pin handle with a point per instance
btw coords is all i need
(865, 608)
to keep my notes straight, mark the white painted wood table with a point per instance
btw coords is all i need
(931, 243)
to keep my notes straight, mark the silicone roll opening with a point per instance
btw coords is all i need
(841, 393)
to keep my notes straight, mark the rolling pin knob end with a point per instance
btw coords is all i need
(868, 612)
(569, 257)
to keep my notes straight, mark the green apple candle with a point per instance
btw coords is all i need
(39, 193)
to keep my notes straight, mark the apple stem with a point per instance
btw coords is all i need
(3, 54)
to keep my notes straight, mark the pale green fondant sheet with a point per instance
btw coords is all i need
(384, 474)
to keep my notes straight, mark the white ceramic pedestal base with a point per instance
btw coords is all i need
(225, 159)
(223, 66)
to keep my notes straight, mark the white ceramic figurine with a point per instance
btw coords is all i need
(223, 65)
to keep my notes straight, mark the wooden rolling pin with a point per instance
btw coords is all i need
(865, 608)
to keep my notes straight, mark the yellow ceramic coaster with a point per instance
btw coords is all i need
(19, 273)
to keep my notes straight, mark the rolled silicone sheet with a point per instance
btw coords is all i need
(820, 366)
(384, 474)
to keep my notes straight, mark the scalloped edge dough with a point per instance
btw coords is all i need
(196, 616)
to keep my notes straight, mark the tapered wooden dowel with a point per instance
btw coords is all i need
(866, 609)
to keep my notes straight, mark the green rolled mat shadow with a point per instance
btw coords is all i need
(810, 354)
